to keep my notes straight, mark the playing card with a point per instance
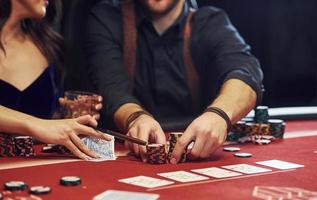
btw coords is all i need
(216, 172)
(182, 176)
(145, 181)
(124, 195)
(246, 169)
(278, 164)
(102, 147)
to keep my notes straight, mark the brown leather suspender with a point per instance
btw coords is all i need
(193, 81)
(129, 39)
(130, 48)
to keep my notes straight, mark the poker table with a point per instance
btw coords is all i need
(299, 146)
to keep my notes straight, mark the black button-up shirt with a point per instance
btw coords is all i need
(217, 50)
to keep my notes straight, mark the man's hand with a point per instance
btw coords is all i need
(208, 131)
(147, 129)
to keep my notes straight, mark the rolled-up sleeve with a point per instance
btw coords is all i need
(104, 43)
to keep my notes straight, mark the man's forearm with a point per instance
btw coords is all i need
(236, 99)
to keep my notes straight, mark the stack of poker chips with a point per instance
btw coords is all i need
(260, 129)
(16, 146)
(173, 138)
(7, 148)
(24, 146)
(156, 153)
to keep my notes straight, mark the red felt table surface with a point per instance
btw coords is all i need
(102, 176)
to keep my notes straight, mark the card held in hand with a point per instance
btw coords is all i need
(102, 147)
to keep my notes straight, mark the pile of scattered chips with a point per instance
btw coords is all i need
(16, 146)
(16, 186)
(259, 130)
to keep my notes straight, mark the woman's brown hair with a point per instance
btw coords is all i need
(45, 38)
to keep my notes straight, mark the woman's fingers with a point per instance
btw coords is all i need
(69, 145)
(83, 148)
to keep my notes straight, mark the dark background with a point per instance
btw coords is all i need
(282, 34)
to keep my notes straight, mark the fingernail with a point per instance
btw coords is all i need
(173, 161)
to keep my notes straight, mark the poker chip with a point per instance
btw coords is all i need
(173, 138)
(243, 155)
(7, 147)
(231, 149)
(24, 146)
(261, 114)
(262, 141)
(70, 180)
(15, 185)
(156, 153)
(48, 149)
(40, 190)
(277, 127)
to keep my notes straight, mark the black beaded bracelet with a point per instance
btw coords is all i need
(134, 116)
(221, 113)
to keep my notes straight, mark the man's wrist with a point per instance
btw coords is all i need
(132, 117)
(220, 113)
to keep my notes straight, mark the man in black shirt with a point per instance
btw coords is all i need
(229, 77)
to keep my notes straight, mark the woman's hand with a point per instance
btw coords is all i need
(66, 132)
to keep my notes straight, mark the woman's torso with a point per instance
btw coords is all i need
(27, 81)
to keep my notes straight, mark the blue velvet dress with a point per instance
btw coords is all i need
(39, 99)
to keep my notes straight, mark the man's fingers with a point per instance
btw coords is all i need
(70, 146)
(180, 147)
(134, 148)
(83, 148)
(160, 137)
(144, 134)
(198, 147)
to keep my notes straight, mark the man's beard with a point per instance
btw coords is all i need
(156, 10)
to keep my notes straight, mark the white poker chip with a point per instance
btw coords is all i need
(40, 190)
(231, 149)
(243, 155)
(262, 141)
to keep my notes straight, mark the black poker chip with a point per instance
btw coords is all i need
(70, 180)
(15, 185)
(40, 189)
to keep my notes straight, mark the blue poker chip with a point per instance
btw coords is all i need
(70, 180)
(40, 190)
(15, 185)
